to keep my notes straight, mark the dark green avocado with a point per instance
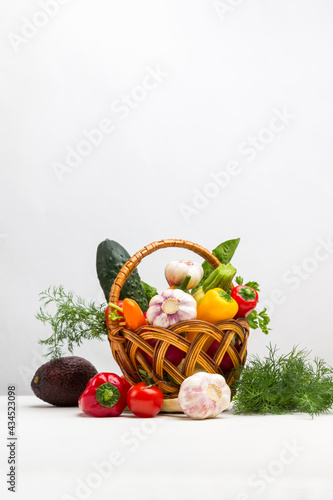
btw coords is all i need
(61, 382)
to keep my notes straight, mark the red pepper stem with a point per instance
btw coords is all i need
(115, 307)
(107, 395)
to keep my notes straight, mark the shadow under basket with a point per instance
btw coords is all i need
(134, 354)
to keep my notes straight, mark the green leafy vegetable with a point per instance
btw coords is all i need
(259, 320)
(282, 384)
(73, 321)
(150, 291)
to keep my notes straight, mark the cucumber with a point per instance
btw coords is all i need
(111, 256)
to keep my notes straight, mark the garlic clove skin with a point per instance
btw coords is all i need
(204, 395)
(177, 270)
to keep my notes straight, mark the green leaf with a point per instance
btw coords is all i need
(254, 285)
(252, 319)
(239, 280)
(225, 251)
(259, 320)
(150, 291)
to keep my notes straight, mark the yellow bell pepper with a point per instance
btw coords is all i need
(216, 305)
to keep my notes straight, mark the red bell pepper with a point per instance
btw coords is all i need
(104, 396)
(246, 298)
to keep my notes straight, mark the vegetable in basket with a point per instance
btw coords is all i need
(177, 270)
(171, 307)
(110, 258)
(173, 353)
(226, 364)
(221, 277)
(217, 305)
(104, 396)
(131, 311)
(118, 314)
(246, 297)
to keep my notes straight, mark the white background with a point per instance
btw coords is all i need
(226, 70)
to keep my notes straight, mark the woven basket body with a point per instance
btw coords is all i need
(127, 345)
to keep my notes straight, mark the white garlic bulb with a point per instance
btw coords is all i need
(204, 395)
(177, 270)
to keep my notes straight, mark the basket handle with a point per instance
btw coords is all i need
(134, 261)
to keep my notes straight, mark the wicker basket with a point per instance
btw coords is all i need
(126, 344)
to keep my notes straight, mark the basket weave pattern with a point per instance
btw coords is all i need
(126, 344)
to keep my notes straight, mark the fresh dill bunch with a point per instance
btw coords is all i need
(283, 384)
(73, 321)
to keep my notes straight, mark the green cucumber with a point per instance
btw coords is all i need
(111, 256)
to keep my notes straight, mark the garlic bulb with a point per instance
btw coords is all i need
(177, 270)
(204, 395)
(171, 307)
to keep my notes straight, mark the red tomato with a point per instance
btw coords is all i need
(145, 401)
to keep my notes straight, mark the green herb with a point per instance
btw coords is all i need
(73, 321)
(150, 291)
(259, 320)
(252, 284)
(283, 384)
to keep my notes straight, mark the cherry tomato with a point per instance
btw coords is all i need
(145, 401)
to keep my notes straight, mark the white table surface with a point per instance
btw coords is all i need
(63, 454)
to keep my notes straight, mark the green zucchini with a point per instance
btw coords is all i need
(111, 256)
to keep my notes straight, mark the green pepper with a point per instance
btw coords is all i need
(221, 277)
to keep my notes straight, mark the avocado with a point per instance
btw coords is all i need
(61, 381)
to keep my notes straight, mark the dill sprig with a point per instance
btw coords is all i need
(73, 321)
(281, 384)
